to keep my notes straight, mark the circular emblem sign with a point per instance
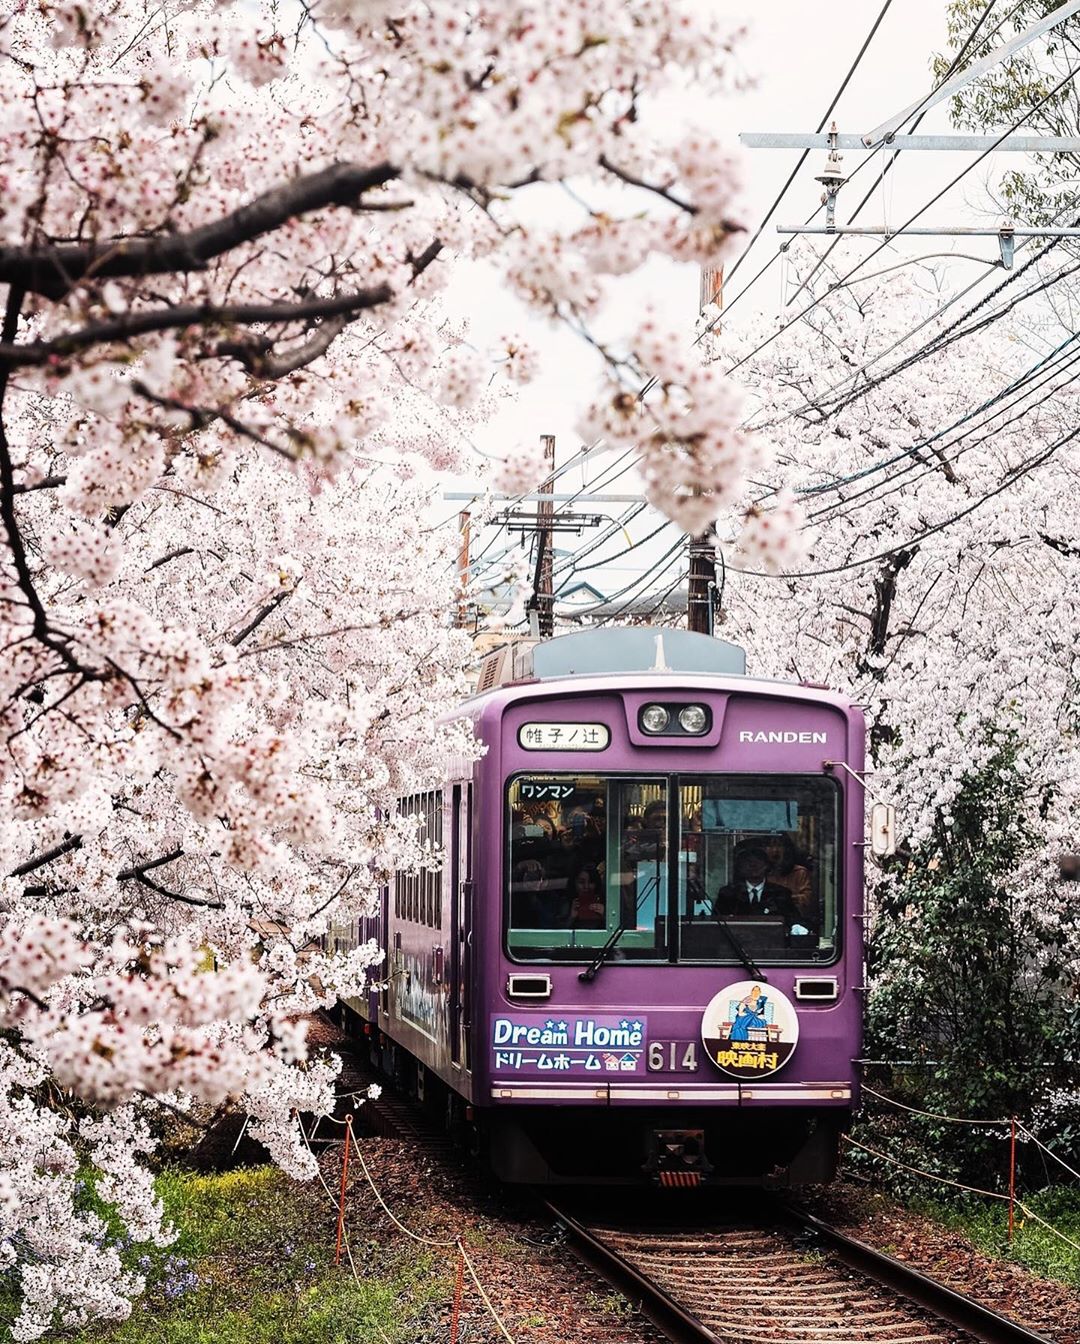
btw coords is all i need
(749, 1030)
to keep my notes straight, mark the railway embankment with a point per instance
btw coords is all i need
(255, 1259)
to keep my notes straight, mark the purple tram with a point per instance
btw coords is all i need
(642, 958)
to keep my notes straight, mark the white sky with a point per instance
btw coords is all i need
(797, 52)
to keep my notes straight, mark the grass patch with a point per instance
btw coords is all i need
(253, 1264)
(986, 1224)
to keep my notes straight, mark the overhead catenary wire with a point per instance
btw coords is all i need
(1024, 469)
(843, 86)
(821, 126)
(919, 114)
(900, 480)
(971, 36)
(844, 280)
(875, 492)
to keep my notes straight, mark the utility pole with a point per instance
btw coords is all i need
(462, 618)
(699, 603)
(702, 580)
(542, 603)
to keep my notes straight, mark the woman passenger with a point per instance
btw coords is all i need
(786, 871)
(587, 900)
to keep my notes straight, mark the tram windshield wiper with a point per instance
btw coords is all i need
(589, 973)
(747, 960)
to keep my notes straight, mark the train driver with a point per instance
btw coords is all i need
(752, 895)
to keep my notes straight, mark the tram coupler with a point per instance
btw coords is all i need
(677, 1158)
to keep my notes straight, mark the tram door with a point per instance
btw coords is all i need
(461, 917)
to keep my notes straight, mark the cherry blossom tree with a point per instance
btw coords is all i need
(936, 580)
(225, 370)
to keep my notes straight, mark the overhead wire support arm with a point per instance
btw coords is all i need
(1006, 234)
(1021, 144)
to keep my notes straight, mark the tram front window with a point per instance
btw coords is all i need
(757, 868)
(703, 868)
(588, 862)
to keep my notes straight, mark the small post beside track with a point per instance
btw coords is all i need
(1012, 1176)
(459, 1293)
(341, 1201)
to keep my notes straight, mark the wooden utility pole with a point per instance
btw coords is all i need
(462, 618)
(542, 601)
(699, 592)
(702, 581)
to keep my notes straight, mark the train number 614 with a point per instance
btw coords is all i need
(672, 1056)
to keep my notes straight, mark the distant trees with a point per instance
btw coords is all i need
(1020, 87)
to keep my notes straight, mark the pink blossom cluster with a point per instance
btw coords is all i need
(936, 578)
(688, 428)
(227, 366)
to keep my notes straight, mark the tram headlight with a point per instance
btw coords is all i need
(655, 718)
(693, 719)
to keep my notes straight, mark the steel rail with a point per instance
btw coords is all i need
(664, 1312)
(965, 1313)
(945, 1305)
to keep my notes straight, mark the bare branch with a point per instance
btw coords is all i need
(174, 554)
(259, 617)
(138, 869)
(31, 865)
(47, 483)
(53, 271)
(259, 362)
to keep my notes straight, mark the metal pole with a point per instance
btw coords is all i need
(545, 596)
(1016, 144)
(1012, 1176)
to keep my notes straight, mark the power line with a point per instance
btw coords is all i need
(1023, 470)
(836, 512)
(821, 126)
(888, 166)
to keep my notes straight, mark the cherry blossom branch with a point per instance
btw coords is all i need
(138, 869)
(262, 364)
(174, 554)
(57, 851)
(47, 483)
(191, 315)
(662, 192)
(53, 271)
(43, 631)
(259, 617)
(203, 416)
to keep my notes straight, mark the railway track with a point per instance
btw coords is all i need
(791, 1279)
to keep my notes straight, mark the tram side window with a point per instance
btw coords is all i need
(418, 894)
(758, 868)
(587, 862)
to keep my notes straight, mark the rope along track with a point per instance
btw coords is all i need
(790, 1281)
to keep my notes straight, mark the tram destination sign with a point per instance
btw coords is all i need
(564, 736)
